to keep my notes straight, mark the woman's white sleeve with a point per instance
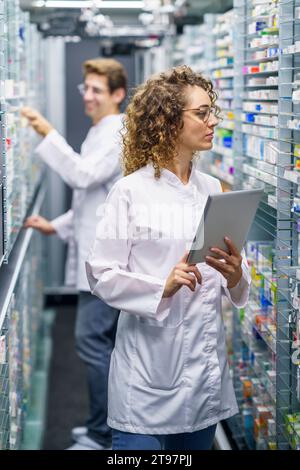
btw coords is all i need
(107, 265)
(239, 294)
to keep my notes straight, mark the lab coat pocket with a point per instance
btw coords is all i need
(160, 358)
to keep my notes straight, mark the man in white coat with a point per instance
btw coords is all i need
(90, 174)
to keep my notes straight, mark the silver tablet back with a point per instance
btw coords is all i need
(226, 214)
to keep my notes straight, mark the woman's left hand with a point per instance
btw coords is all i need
(231, 268)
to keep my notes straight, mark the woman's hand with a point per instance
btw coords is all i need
(40, 223)
(231, 269)
(182, 274)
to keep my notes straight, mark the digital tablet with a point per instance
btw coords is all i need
(229, 215)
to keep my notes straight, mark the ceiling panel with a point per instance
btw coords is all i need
(195, 7)
(195, 10)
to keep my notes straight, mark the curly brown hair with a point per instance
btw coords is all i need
(154, 118)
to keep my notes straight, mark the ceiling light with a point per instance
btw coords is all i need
(88, 4)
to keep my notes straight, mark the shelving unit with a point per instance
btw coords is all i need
(21, 85)
(288, 193)
(221, 68)
(21, 306)
(2, 139)
(264, 151)
(197, 45)
(21, 252)
(207, 48)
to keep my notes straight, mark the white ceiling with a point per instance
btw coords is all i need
(195, 10)
(195, 7)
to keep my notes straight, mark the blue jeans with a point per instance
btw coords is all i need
(198, 440)
(95, 332)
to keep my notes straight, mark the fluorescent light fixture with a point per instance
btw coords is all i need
(89, 3)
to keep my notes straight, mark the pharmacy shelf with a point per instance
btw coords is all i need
(199, 38)
(21, 321)
(35, 420)
(221, 156)
(9, 273)
(218, 59)
(21, 287)
(266, 151)
(21, 79)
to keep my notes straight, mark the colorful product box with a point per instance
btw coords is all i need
(292, 418)
(263, 414)
(247, 388)
(257, 429)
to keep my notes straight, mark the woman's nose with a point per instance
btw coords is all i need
(212, 121)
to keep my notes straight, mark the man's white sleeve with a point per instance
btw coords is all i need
(81, 173)
(63, 225)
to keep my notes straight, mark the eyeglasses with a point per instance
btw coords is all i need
(204, 114)
(83, 88)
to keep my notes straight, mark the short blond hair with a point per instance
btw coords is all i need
(110, 68)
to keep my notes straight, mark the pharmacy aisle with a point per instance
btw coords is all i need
(251, 51)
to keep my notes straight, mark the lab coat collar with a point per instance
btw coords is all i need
(110, 118)
(172, 178)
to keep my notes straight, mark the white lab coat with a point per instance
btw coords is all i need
(91, 174)
(169, 371)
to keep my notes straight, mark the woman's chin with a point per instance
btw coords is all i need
(205, 146)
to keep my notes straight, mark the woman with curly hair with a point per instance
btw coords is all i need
(169, 381)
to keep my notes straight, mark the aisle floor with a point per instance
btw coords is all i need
(67, 393)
